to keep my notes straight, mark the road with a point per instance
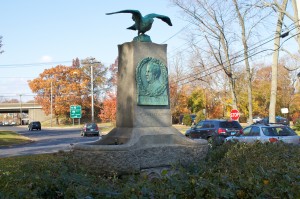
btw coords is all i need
(48, 140)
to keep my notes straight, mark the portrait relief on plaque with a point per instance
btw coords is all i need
(152, 82)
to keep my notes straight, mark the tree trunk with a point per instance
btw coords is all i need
(248, 71)
(296, 5)
(272, 107)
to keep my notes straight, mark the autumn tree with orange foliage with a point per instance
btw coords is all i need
(108, 111)
(261, 90)
(178, 99)
(66, 88)
(71, 85)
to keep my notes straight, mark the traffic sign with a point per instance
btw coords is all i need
(75, 111)
(234, 114)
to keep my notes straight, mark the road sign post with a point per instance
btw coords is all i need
(234, 114)
(75, 112)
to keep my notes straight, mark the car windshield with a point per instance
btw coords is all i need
(278, 131)
(230, 124)
(91, 126)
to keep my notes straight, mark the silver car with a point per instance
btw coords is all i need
(266, 133)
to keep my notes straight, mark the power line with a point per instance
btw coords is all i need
(32, 64)
(199, 78)
(239, 55)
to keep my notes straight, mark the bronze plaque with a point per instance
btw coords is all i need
(152, 82)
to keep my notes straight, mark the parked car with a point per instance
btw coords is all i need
(278, 120)
(34, 125)
(266, 133)
(90, 129)
(215, 130)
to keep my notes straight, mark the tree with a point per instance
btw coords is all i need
(76, 63)
(294, 17)
(99, 75)
(214, 24)
(197, 100)
(262, 85)
(261, 90)
(10, 101)
(241, 18)
(65, 88)
(109, 105)
(281, 10)
(272, 108)
(178, 99)
(93, 75)
(109, 109)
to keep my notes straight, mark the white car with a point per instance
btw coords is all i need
(266, 133)
(256, 119)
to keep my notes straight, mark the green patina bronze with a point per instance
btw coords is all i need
(143, 24)
(142, 38)
(152, 82)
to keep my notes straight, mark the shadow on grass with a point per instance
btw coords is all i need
(8, 138)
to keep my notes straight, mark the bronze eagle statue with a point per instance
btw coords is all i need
(143, 24)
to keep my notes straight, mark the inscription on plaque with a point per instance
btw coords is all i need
(152, 82)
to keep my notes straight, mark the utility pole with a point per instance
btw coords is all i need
(51, 103)
(92, 90)
(91, 62)
(21, 109)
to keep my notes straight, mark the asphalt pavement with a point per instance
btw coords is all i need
(48, 140)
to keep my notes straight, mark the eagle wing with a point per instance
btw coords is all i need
(162, 17)
(135, 13)
(136, 16)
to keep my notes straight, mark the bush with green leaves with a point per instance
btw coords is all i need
(200, 116)
(297, 125)
(232, 170)
(187, 120)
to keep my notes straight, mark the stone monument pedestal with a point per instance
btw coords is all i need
(144, 137)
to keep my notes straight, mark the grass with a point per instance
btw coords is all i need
(8, 138)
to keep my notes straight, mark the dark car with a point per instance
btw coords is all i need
(34, 125)
(215, 130)
(278, 120)
(90, 129)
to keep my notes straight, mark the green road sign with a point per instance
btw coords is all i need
(75, 111)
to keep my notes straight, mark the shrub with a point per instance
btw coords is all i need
(187, 120)
(200, 116)
(297, 125)
(232, 170)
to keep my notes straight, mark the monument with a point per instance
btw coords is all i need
(143, 139)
